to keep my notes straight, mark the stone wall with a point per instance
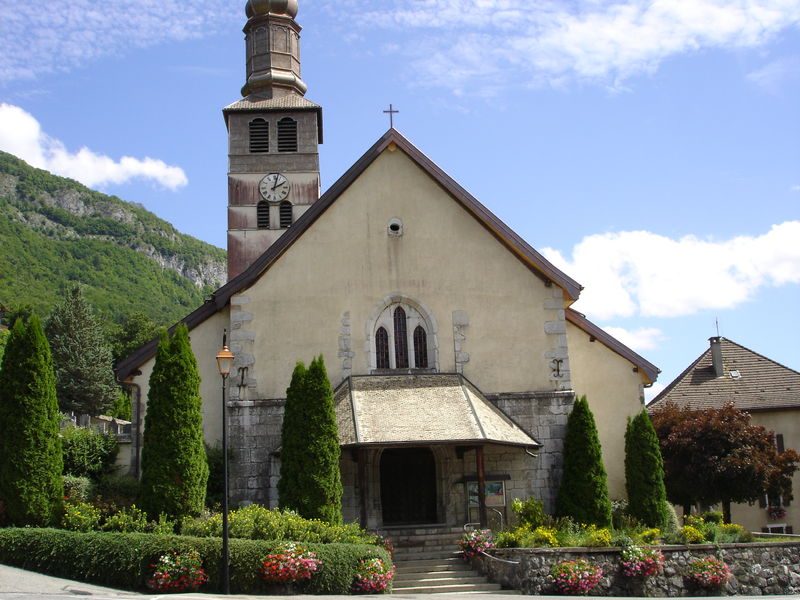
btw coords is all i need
(543, 415)
(757, 569)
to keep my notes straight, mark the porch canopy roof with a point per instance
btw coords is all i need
(426, 408)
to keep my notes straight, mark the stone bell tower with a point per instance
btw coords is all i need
(274, 134)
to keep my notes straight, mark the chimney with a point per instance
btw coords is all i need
(716, 355)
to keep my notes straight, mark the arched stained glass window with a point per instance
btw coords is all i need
(420, 348)
(400, 339)
(382, 348)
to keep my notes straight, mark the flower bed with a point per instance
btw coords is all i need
(575, 577)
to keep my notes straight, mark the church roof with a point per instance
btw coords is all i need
(751, 381)
(605, 338)
(427, 408)
(535, 262)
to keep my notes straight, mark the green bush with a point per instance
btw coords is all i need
(712, 516)
(691, 535)
(216, 484)
(121, 490)
(80, 516)
(123, 560)
(88, 452)
(583, 494)
(78, 488)
(127, 520)
(257, 522)
(529, 512)
(644, 472)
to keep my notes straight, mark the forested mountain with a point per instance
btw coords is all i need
(55, 232)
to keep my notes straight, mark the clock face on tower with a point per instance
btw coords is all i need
(274, 187)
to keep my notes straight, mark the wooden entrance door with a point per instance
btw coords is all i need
(408, 486)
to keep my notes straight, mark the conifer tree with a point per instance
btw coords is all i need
(30, 447)
(583, 494)
(81, 357)
(310, 477)
(644, 473)
(174, 467)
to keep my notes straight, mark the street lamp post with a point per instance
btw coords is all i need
(224, 365)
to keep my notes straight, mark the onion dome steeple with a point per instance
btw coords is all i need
(272, 37)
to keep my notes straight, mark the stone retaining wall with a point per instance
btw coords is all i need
(757, 568)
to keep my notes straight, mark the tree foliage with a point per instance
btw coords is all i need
(310, 480)
(88, 452)
(717, 455)
(82, 359)
(134, 331)
(644, 473)
(583, 494)
(30, 448)
(174, 467)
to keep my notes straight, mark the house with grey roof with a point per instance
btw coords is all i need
(729, 372)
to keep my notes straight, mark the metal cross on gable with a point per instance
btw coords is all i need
(391, 112)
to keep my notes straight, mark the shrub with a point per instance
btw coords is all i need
(672, 519)
(641, 562)
(709, 572)
(597, 536)
(311, 482)
(644, 472)
(123, 560)
(729, 533)
(544, 536)
(127, 520)
(474, 542)
(178, 572)
(88, 452)
(121, 490)
(80, 516)
(529, 512)
(712, 516)
(77, 488)
(650, 536)
(288, 563)
(161, 527)
(30, 447)
(174, 467)
(575, 577)
(373, 576)
(215, 486)
(583, 494)
(260, 523)
(691, 535)
(514, 538)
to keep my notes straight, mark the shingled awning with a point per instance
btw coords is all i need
(420, 409)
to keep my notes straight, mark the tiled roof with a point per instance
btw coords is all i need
(429, 408)
(290, 101)
(751, 381)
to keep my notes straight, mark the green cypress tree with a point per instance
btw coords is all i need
(583, 494)
(30, 446)
(311, 480)
(82, 359)
(644, 472)
(174, 467)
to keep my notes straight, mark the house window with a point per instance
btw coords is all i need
(420, 347)
(287, 135)
(401, 338)
(286, 214)
(259, 136)
(262, 215)
(382, 348)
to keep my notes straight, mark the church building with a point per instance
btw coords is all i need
(450, 342)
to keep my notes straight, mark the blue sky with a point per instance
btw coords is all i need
(650, 149)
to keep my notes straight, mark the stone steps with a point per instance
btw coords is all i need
(451, 588)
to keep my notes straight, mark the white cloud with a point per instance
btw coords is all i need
(772, 76)
(644, 338)
(37, 38)
(643, 273)
(554, 42)
(22, 135)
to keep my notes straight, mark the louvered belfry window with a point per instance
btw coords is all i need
(259, 136)
(287, 135)
(262, 215)
(286, 214)
(382, 348)
(420, 348)
(400, 339)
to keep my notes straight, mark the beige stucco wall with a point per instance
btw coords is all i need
(445, 261)
(786, 422)
(613, 390)
(206, 340)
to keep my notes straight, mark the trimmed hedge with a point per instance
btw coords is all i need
(122, 560)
